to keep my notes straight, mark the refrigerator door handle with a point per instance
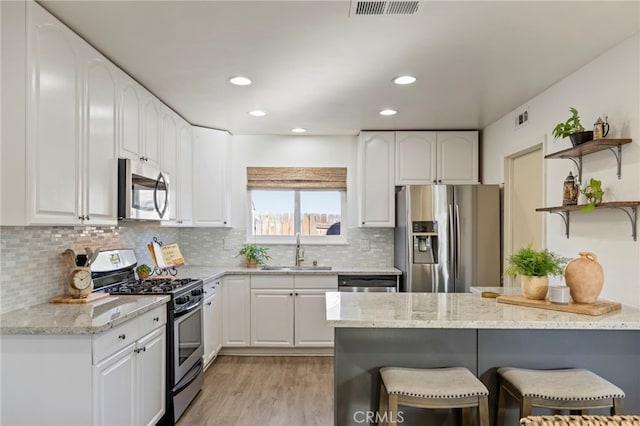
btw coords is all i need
(458, 241)
(451, 251)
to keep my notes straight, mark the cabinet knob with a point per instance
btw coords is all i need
(156, 319)
(439, 180)
(122, 336)
(209, 304)
(225, 222)
(363, 223)
(141, 158)
(297, 294)
(290, 294)
(80, 217)
(88, 218)
(435, 181)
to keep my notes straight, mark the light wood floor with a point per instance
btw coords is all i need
(274, 391)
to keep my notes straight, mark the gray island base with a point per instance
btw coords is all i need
(443, 330)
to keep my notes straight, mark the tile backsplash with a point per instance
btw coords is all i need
(32, 269)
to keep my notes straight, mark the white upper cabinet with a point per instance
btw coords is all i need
(150, 152)
(376, 179)
(210, 204)
(170, 156)
(458, 157)
(130, 118)
(424, 158)
(184, 201)
(415, 158)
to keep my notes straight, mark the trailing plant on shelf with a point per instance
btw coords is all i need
(534, 268)
(573, 129)
(594, 194)
(254, 255)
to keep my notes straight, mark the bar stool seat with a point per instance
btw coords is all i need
(453, 387)
(574, 389)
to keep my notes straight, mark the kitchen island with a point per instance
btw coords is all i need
(428, 330)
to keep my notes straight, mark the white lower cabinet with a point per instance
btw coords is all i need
(212, 314)
(236, 302)
(289, 311)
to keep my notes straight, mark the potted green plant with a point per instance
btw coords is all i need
(143, 271)
(254, 255)
(534, 268)
(573, 129)
(594, 194)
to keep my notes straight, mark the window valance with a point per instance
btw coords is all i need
(334, 178)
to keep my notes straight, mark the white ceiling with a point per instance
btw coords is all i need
(316, 67)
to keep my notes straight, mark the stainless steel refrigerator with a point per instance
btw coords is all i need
(448, 237)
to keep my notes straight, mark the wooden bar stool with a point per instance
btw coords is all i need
(571, 389)
(454, 387)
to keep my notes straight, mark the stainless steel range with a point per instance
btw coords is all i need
(112, 272)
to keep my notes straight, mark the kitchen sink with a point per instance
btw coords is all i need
(295, 268)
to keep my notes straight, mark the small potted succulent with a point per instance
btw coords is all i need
(143, 271)
(254, 255)
(573, 129)
(534, 268)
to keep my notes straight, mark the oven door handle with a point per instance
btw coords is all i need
(189, 309)
(192, 375)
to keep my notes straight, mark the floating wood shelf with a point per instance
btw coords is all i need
(630, 208)
(575, 153)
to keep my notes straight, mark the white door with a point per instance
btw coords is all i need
(130, 122)
(236, 313)
(151, 134)
(170, 158)
(216, 334)
(458, 158)
(209, 183)
(376, 179)
(272, 318)
(311, 320)
(151, 375)
(114, 385)
(209, 327)
(100, 164)
(53, 130)
(184, 200)
(416, 158)
(523, 193)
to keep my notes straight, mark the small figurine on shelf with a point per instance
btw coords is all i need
(600, 128)
(570, 191)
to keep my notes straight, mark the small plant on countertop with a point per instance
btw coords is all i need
(254, 254)
(534, 263)
(143, 271)
(594, 194)
(572, 125)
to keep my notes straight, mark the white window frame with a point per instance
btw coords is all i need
(304, 239)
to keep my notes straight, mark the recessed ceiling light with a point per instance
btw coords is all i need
(404, 79)
(388, 112)
(257, 113)
(298, 130)
(240, 81)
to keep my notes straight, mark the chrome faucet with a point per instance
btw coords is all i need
(299, 251)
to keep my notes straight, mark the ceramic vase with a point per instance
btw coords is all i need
(584, 277)
(534, 287)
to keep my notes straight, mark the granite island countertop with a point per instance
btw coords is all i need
(82, 318)
(459, 310)
(214, 272)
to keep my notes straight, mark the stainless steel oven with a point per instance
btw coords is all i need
(188, 346)
(143, 191)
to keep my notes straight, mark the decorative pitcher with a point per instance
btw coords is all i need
(584, 277)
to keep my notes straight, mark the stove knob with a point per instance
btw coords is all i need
(182, 300)
(197, 292)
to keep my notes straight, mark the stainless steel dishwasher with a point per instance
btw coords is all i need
(368, 283)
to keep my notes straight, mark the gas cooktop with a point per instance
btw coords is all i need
(154, 285)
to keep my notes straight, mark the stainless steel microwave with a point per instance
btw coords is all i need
(143, 191)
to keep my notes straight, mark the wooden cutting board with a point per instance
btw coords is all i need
(598, 308)
(69, 299)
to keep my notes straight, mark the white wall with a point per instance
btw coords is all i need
(608, 85)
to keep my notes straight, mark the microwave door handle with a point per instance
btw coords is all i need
(155, 197)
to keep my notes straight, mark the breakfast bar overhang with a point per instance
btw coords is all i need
(430, 330)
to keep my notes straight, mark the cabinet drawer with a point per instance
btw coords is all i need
(115, 339)
(152, 320)
(317, 281)
(210, 288)
(272, 281)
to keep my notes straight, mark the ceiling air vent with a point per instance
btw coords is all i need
(375, 7)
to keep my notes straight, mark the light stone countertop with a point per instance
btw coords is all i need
(460, 310)
(82, 318)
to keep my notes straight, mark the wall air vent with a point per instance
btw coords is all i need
(378, 8)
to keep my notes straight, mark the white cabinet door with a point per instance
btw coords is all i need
(458, 157)
(272, 317)
(216, 334)
(416, 158)
(209, 184)
(311, 320)
(151, 377)
(99, 141)
(170, 157)
(209, 329)
(376, 179)
(114, 385)
(53, 121)
(130, 119)
(184, 197)
(151, 130)
(236, 303)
